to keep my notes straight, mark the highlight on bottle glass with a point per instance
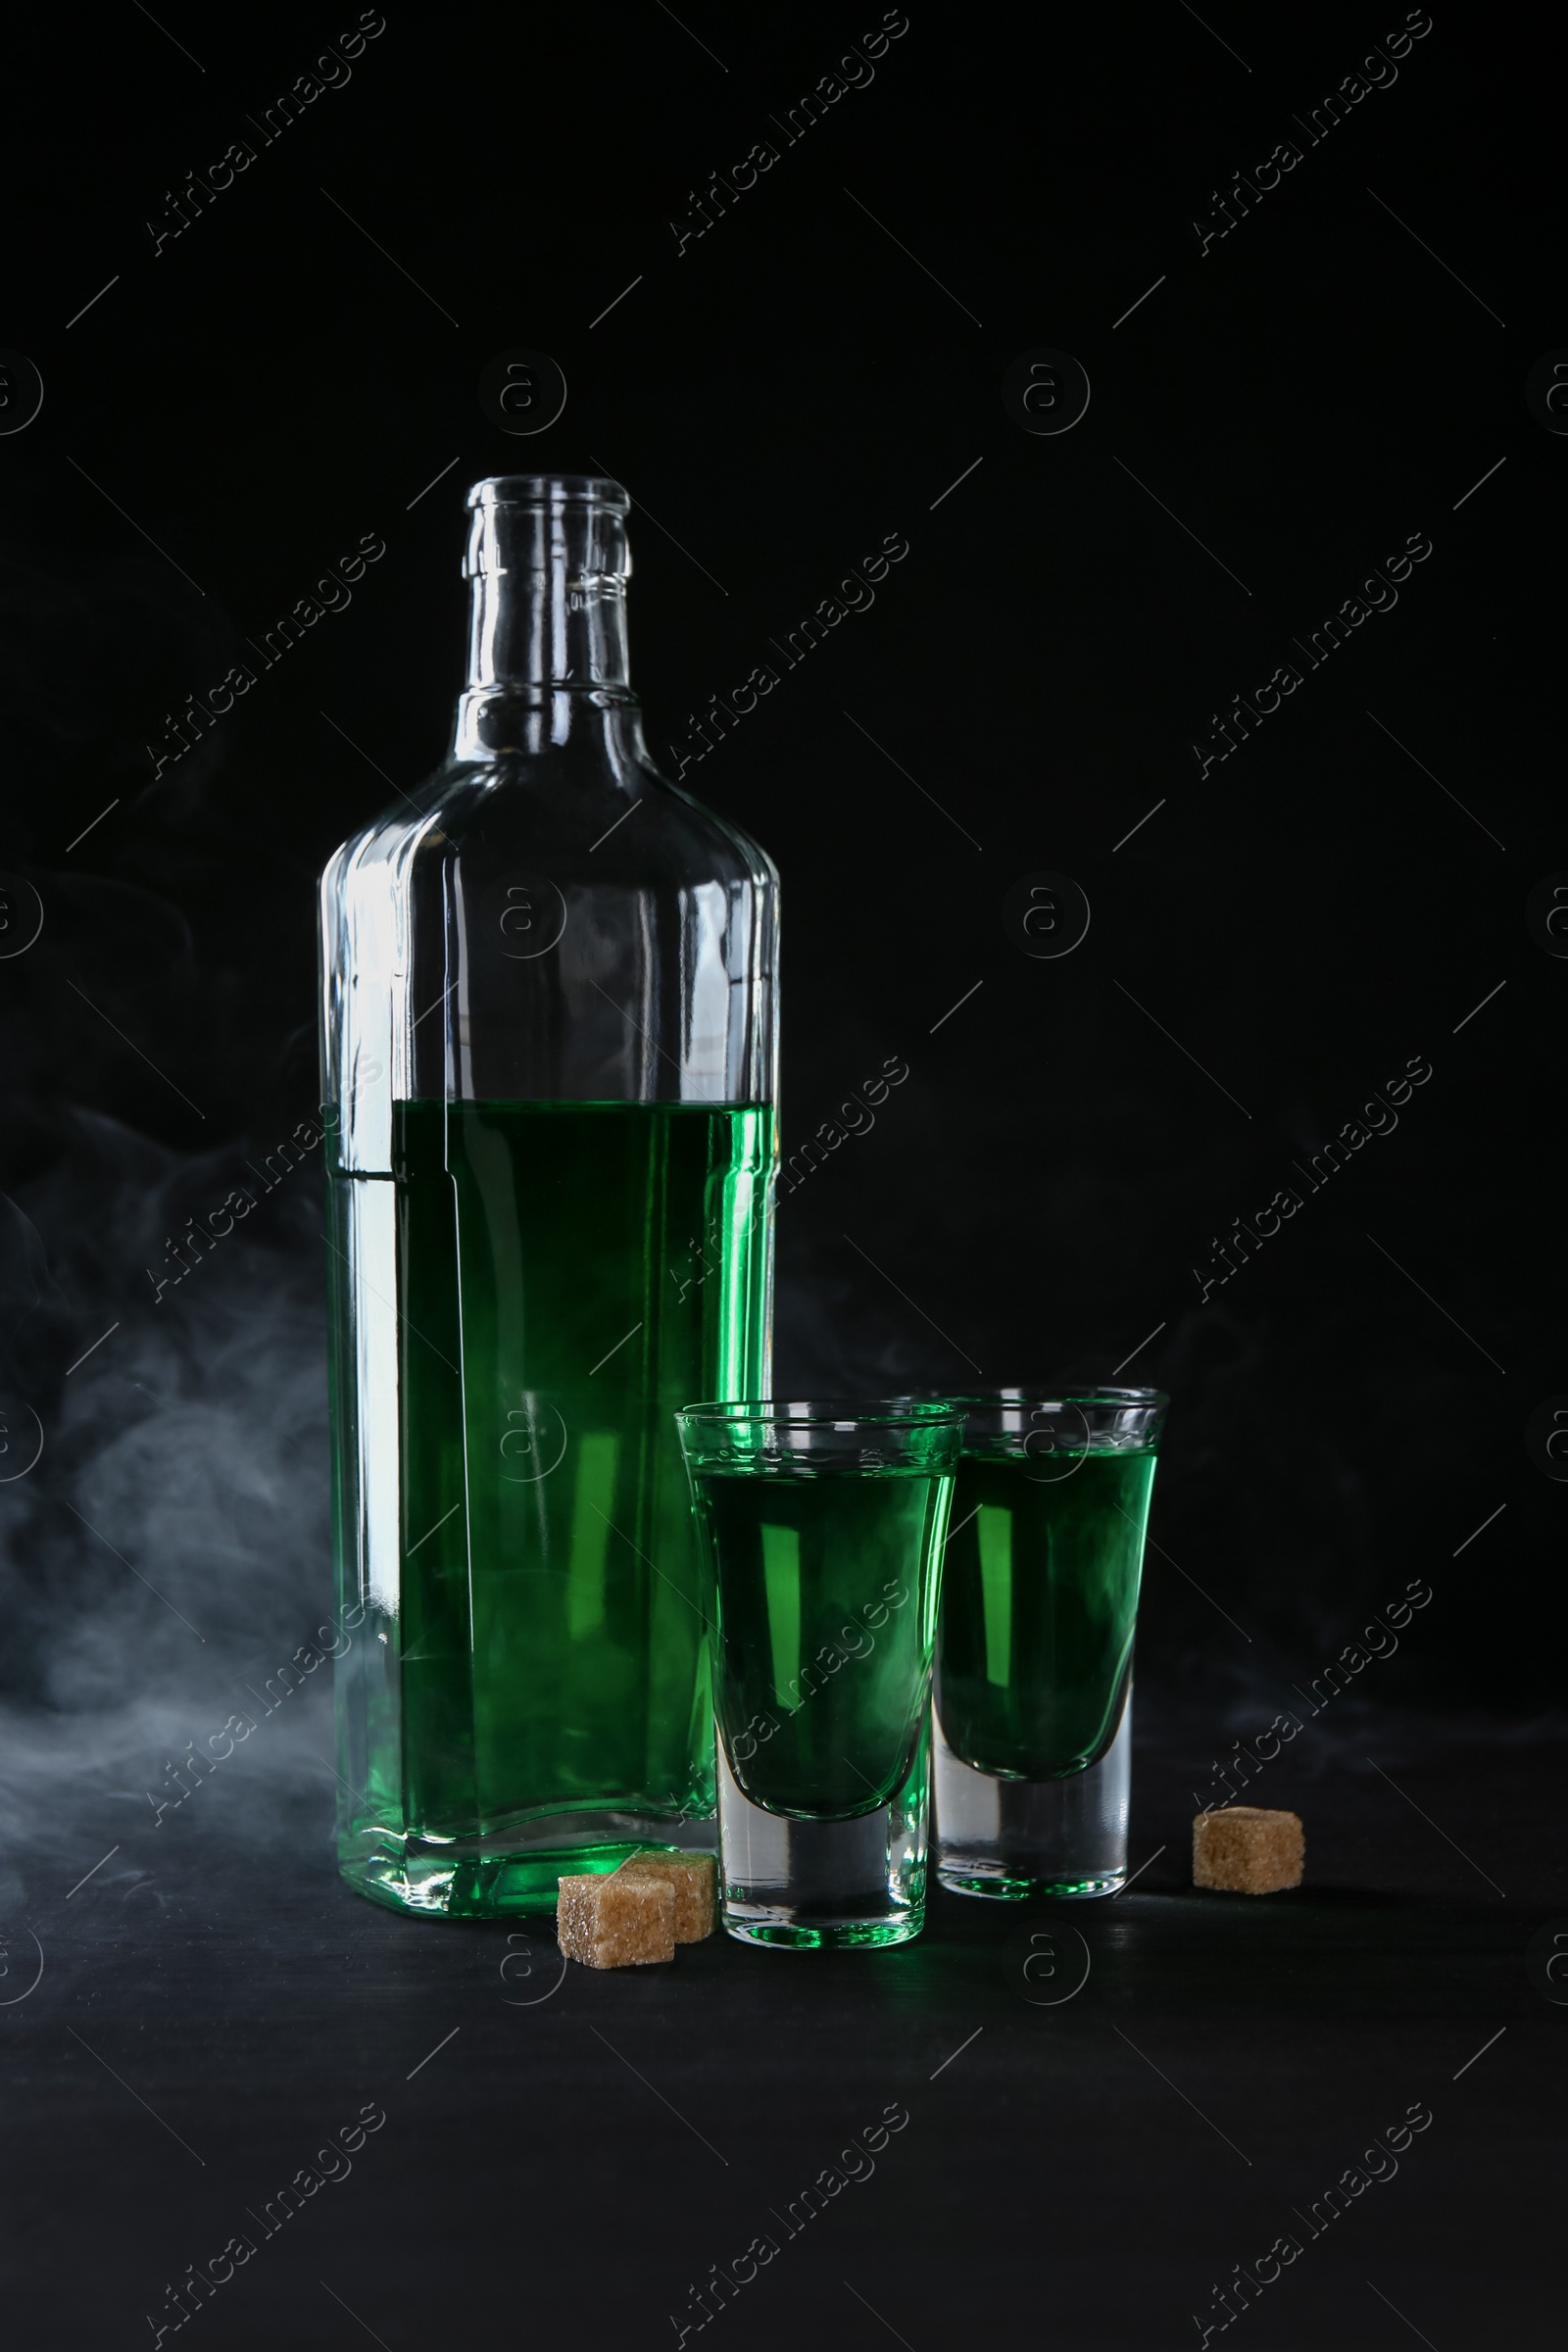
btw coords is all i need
(1032, 1713)
(821, 1526)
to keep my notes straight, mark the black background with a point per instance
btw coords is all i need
(1345, 892)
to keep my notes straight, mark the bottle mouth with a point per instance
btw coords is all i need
(549, 490)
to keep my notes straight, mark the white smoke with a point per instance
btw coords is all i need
(168, 1553)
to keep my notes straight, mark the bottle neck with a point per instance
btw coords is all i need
(547, 620)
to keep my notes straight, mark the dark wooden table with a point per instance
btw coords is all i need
(485, 2142)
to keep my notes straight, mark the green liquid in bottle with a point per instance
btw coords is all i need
(824, 1626)
(568, 1275)
(1039, 1603)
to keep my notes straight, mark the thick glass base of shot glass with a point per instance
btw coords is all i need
(814, 1885)
(1013, 1840)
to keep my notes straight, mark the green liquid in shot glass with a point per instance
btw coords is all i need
(823, 1620)
(1039, 1605)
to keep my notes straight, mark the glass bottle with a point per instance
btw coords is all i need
(550, 1061)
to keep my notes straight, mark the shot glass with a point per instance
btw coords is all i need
(1032, 1714)
(821, 1529)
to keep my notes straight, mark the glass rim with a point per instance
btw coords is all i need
(1067, 1392)
(549, 490)
(906, 1412)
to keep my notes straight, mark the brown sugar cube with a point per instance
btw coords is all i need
(694, 1878)
(617, 1921)
(1248, 1850)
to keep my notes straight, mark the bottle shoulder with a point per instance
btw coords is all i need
(500, 938)
(746, 845)
(616, 825)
